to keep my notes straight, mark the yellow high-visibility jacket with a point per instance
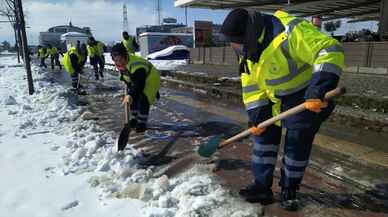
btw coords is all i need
(152, 84)
(96, 50)
(67, 61)
(288, 63)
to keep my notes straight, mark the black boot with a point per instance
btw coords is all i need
(257, 194)
(133, 123)
(288, 199)
(97, 78)
(141, 127)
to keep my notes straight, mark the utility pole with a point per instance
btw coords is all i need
(186, 14)
(17, 32)
(16, 41)
(26, 53)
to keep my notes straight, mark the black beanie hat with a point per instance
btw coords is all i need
(119, 50)
(235, 25)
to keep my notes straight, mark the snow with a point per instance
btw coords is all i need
(168, 64)
(229, 79)
(159, 64)
(58, 164)
(73, 34)
(166, 52)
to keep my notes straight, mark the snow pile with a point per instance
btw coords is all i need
(6, 52)
(197, 192)
(165, 53)
(88, 155)
(193, 73)
(33, 135)
(194, 193)
(229, 79)
(168, 64)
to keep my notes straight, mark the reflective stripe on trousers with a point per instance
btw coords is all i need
(256, 104)
(264, 155)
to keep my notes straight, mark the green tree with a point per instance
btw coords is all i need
(332, 26)
(6, 45)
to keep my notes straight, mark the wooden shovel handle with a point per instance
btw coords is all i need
(295, 110)
(126, 107)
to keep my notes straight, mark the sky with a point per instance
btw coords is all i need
(104, 17)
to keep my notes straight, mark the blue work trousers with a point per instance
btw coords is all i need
(301, 130)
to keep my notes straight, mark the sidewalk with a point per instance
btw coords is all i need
(359, 102)
(368, 85)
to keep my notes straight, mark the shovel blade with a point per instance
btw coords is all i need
(123, 138)
(209, 148)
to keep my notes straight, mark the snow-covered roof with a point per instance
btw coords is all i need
(73, 35)
(166, 52)
(164, 33)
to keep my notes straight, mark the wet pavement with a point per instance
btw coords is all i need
(335, 184)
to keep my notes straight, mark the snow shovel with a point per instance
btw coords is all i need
(215, 143)
(124, 134)
(78, 90)
(160, 157)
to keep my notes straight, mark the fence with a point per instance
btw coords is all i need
(357, 54)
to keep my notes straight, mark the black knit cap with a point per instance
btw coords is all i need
(119, 50)
(235, 25)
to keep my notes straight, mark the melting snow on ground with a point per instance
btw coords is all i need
(54, 163)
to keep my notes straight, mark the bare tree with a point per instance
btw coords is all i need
(8, 10)
(13, 10)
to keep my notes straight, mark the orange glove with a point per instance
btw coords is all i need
(315, 105)
(127, 99)
(257, 131)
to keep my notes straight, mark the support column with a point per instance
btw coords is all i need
(383, 26)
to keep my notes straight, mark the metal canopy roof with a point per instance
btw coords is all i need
(328, 9)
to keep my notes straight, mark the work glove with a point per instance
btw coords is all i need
(256, 131)
(127, 99)
(315, 105)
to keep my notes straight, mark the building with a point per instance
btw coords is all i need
(151, 42)
(166, 27)
(217, 39)
(53, 35)
(71, 39)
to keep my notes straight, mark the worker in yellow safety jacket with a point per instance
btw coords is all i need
(72, 62)
(83, 51)
(129, 43)
(284, 61)
(143, 82)
(54, 56)
(96, 56)
(42, 55)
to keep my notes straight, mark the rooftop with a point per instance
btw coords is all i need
(328, 9)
